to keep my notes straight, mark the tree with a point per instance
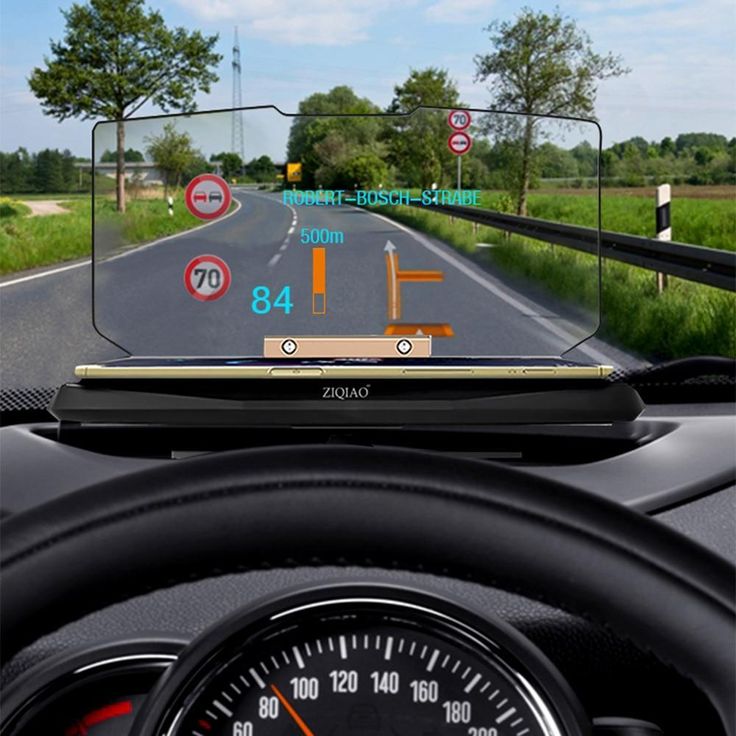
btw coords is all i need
(16, 172)
(587, 158)
(667, 146)
(542, 65)
(556, 163)
(431, 87)
(173, 154)
(116, 57)
(686, 141)
(261, 169)
(311, 139)
(131, 156)
(49, 172)
(418, 143)
(231, 164)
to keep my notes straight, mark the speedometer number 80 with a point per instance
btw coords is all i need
(268, 707)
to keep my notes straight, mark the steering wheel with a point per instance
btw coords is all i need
(399, 509)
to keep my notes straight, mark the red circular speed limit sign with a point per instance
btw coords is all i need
(459, 119)
(207, 278)
(207, 196)
(459, 143)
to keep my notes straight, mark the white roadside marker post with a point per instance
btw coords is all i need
(663, 225)
(171, 206)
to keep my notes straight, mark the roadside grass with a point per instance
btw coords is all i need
(707, 222)
(12, 208)
(146, 219)
(687, 319)
(54, 196)
(30, 242)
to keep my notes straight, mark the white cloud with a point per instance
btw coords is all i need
(317, 23)
(594, 6)
(459, 11)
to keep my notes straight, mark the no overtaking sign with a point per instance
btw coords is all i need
(207, 196)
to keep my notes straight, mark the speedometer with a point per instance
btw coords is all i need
(362, 660)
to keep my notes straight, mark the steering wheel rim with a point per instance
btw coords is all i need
(317, 505)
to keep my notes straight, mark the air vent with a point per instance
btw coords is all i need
(25, 404)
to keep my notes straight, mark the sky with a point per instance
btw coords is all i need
(681, 56)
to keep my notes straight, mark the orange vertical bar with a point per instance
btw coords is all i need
(319, 280)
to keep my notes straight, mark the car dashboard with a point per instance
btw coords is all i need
(380, 650)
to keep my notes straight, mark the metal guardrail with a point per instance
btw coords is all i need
(692, 262)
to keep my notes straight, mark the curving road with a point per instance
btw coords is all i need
(141, 301)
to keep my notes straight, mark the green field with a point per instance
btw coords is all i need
(63, 196)
(707, 222)
(29, 242)
(687, 319)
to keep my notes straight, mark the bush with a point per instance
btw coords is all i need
(12, 208)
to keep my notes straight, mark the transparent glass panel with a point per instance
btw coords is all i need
(343, 225)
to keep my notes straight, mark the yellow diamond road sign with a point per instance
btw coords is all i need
(293, 172)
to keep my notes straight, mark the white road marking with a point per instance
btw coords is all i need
(50, 272)
(294, 217)
(481, 280)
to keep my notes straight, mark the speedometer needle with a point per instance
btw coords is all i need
(290, 710)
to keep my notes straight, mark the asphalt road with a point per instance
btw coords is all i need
(142, 304)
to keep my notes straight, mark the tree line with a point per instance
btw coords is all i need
(51, 171)
(538, 63)
(339, 159)
(47, 171)
(411, 151)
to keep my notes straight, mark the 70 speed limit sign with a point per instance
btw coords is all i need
(207, 278)
(459, 119)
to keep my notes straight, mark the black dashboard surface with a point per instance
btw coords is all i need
(668, 455)
(683, 476)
